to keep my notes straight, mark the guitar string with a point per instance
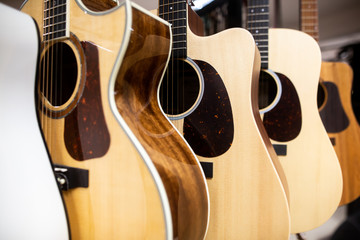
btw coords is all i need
(46, 79)
(41, 83)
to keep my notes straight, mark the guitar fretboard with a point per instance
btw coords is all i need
(309, 18)
(55, 19)
(258, 25)
(174, 11)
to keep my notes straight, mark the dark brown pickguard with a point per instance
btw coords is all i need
(210, 128)
(283, 122)
(332, 114)
(86, 134)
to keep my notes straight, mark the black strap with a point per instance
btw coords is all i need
(69, 177)
(280, 149)
(207, 168)
(333, 142)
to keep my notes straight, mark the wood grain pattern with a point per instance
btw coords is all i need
(124, 198)
(311, 166)
(240, 204)
(347, 141)
(137, 100)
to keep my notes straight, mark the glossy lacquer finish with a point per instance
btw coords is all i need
(125, 198)
(136, 98)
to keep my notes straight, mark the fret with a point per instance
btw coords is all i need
(173, 20)
(52, 20)
(258, 21)
(54, 7)
(176, 2)
(46, 34)
(311, 31)
(310, 17)
(265, 35)
(179, 34)
(258, 14)
(307, 25)
(55, 19)
(175, 12)
(178, 27)
(258, 6)
(258, 25)
(254, 28)
(179, 48)
(61, 14)
(55, 27)
(309, 10)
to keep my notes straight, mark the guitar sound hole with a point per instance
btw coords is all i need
(267, 89)
(58, 74)
(180, 88)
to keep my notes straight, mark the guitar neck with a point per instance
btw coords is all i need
(175, 12)
(55, 24)
(258, 25)
(309, 18)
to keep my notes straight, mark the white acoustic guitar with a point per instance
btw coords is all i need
(31, 206)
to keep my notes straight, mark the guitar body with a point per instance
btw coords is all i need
(341, 125)
(124, 197)
(137, 100)
(31, 205)
(311, 167)
(247, 198)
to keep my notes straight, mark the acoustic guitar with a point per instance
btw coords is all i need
(210, 93)
(31, 205)
(111, 186)
(336, 110)
(292, 119)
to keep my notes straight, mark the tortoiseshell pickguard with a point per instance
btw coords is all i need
(86, 134)
(333, 115)
(210, 128)
(283, 122)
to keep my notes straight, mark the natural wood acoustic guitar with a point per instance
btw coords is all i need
(291, 118)
(210, 93)
(119, 182)
(336, 110)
